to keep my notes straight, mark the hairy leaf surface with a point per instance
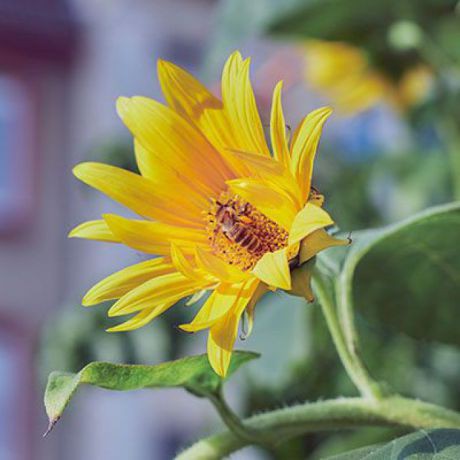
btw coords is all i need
(441, 444)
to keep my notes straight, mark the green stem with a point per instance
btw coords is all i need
(284, 424)
(349, 356)
(343, 288)
(235, 424)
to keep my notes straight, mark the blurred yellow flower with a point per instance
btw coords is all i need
(223, 213)
(344, 73)
(414, 85)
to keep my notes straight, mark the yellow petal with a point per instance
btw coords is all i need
(268, 198)
(272, 171)
(152, 237)
(278, 128)
(141, 319)
(223, 333)
(187, 96)
(171, 183)
(184, 93)
(273, 269)
(159, 129)
(259, 165)
(94, 230)
(240, 105)
(316, 242)
(184, 264)
(163, 289)
(260, 291)
(134, 192)
(196, 297)
(309, 219)
(123, 281)
(304, 145)
(216, 267)
(218, 304)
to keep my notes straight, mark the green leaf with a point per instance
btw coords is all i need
(192, 373)
(345, 20)
(448, 34)
(422, 445)
(357, 454)
(353, 21)
(408, 275)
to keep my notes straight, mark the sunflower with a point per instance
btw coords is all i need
(227, 218)
(345, 73)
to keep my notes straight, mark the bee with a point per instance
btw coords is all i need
(236, 227)
(315, 196)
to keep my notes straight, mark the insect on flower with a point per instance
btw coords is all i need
(236, 226)
(220, 213)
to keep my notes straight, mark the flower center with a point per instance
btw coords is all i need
(240, 234)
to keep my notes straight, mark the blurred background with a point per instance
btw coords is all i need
(391, 72)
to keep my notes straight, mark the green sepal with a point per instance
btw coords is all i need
(301, 280)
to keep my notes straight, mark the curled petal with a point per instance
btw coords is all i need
(301, 281)
(260, 291)
(317, 242)
(273, 269)
(94, 230)
(184, 264)
(309, 219)
(216, 306)
(278, 128)
(222, 334)
(196, 297)
(303, 147)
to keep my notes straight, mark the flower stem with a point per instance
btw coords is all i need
(235, 424)
(347, 351)
(284, 424)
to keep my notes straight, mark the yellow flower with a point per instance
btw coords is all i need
(224, 215)
(414, 85)
(343, 71)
